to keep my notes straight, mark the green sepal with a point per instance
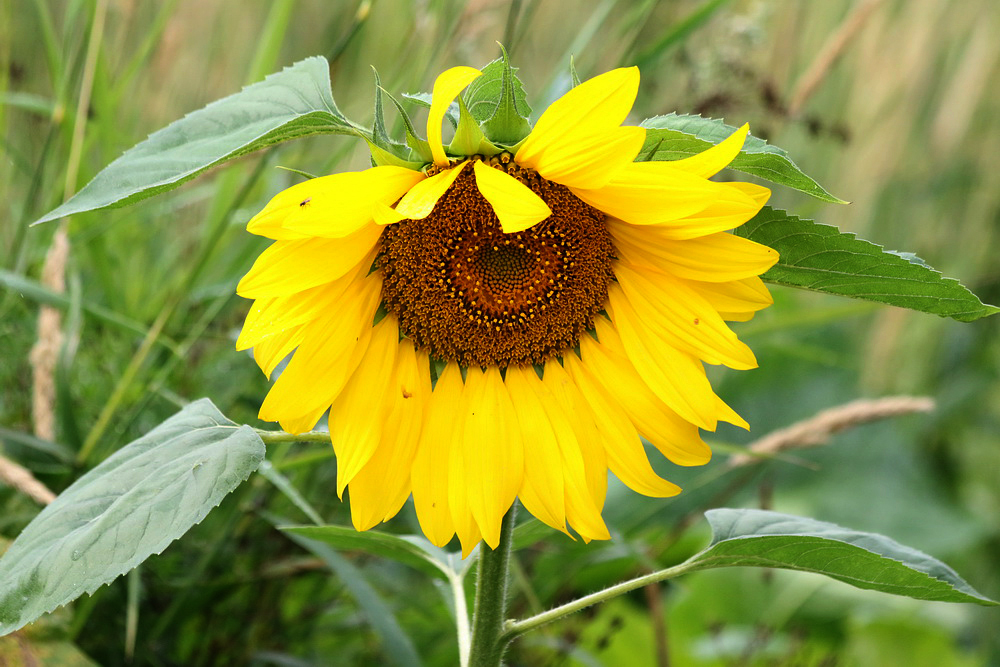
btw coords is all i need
(469, 138)
(419, 148)
(379, 136)
(573, 76)
(304, 174)
(382, 157)
(498, 101)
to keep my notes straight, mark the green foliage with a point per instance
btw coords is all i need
(676, 136)
(293, 103)
(398, 648)
(867, 560)
(128, 508)
(821, 258)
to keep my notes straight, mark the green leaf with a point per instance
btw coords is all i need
(293, 103)
(396, 645)
(757, 538)
(673, 137)
(821, 258)
(375, 543)
(498, 101)
(128, 508)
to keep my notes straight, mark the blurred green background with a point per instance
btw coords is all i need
(904, 121)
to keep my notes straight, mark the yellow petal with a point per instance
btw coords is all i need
(676, 378)
(446, 88)
(516, 206)
(385, 215)
(341, 204)
(466, 527)
(584, 426)
(380, 488)
(582, 509)
(358, 413)
(304, 423)
(294, 266)
(653, 193)
(328, 354)
(675, 313)
(418, 203)
(492, 451)
(625, 453)
(276, 314)
(592, 160)
(269, 352)
(715, 258)
(656, 420)
(430, 477)
(713, 160)
(735, 204)
(745, 296)
(543, 492)
(587, 114)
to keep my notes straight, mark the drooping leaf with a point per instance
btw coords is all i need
(498, 101)
(758, 538)
(375, 543)
(128, 508)
(396, 645)
(674, 136)
(821, 258)
(293, 103)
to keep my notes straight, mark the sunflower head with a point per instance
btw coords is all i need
(508, 316)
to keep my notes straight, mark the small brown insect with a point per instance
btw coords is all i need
(306, 201)
(407, 394)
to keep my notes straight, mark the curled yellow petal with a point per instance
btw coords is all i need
(418, 203)
(446, 88)
(516, 206)
(713, 160)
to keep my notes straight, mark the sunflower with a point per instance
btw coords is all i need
(508, 326)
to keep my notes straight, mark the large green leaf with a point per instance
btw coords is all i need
(295, 102)
(126, 509)
(758, 538)
(676, 136)
(819, 257)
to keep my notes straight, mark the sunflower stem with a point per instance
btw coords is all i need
(490, 607)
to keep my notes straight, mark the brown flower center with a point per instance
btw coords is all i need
(467, 292)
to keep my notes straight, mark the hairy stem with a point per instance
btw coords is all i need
(491, 599)
(515, 629)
